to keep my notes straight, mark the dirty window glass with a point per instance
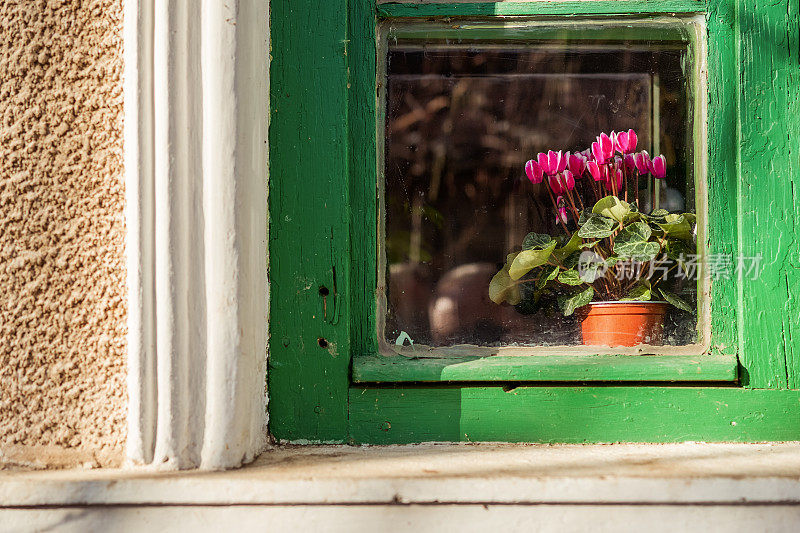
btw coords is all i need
(462, 118)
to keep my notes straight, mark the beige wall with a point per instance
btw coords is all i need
(62, 277)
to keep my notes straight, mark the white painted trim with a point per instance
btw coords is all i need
(138, 161)
(196, 103)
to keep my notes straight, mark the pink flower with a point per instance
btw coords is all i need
(619, 179)
(544, 164)
(577, 164)
(606, 145)
(630, 162)
(561, 161)
(642, 160)
(534, 171)
(555, 185)
(659, 167)
(594, 170)
(552, 162)
(561, 183)
(626, 142)
(597, 152)
(568, 180)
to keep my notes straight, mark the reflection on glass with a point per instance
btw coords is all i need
(461, 121)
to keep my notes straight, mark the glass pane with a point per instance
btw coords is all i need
(462, 120)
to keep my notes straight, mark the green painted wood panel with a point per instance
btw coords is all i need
(722, 169)
(569, 7)
(378, 369)
(363, 173)
(768, 201)
(309, 225)
(572, 414)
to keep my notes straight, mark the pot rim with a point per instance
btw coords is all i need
(628, 302)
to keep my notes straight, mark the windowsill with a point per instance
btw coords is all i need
(687, 473)
(567, 368)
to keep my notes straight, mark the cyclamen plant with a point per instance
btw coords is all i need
(610, 250)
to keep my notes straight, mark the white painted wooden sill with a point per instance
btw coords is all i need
(688, 473)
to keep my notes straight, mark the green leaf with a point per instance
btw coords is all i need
(568, 304)
(597, 227)
(530, 296)
(584, 216)
(530, 259)
(544, 278)
(677, 227)
(634, 214)
(633, 217)
(502, 288)
(674, 248)
(572, 245)
(676, 300)
(642, 291)
(612, 207)
(571, 261)
(591, 266)
(536, 241)
(636, 232)
(632, 242)
(570, 277)
(638, 251)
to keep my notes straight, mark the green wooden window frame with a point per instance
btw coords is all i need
(696, 362)
(327, 385)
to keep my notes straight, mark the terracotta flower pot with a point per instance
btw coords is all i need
(623, 323)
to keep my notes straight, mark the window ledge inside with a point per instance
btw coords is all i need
(687, 473)
(575, 368)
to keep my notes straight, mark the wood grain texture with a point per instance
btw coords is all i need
(793, 266)
(572, 414)
(377, 369)
(722, 168)
(569, 7)
(767, 195)
(363, 174)
(309, 224)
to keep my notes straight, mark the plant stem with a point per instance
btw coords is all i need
(625, 179)
(580, 200)
(612, 176)
(653, 283)
(653, 199)
(572, 203)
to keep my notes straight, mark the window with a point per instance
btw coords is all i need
(466, 106)
(329, 378)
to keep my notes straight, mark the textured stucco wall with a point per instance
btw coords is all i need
(62, 290)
